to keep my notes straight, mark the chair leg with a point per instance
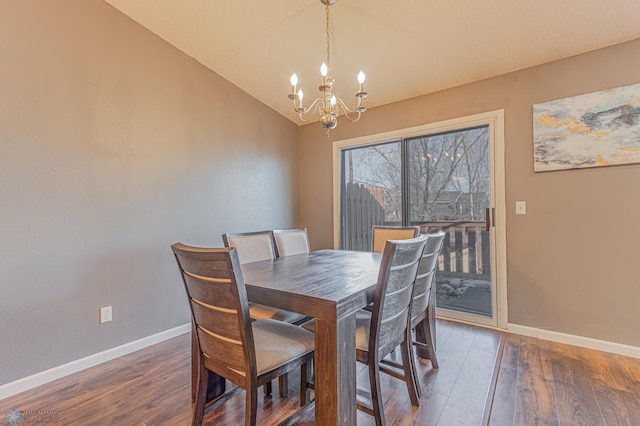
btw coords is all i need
(283, 384)
(201, 395)
(415, 375)
(305, 376)
(251, 409)
(424, 334)
(267, 389)
(410, 373)
(376, 394)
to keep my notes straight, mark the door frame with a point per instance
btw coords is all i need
(495, 121)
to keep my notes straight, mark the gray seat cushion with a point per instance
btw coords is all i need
(363, 324)
(278, 342)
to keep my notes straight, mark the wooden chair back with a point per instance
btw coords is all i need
(251, 246)
(220, 310)
(425, 278)
(393, 294)
(291, 241)
(381, 234)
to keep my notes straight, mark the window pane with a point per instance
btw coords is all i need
(371, 192)
(449, 177)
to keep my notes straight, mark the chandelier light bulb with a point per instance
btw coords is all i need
(361, 77)
(294, 79)
(333, 100)
(300, 95)
(323, 69)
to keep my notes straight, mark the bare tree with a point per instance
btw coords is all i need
(448, 174)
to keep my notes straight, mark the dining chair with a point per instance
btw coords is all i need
(380, 235)
(423, 306)
(291, 241)
(254, 247)
(251, 246)
(249, 354)
(387, 325)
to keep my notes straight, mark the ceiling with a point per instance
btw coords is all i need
(406, 48)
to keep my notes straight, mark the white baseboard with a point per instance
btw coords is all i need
(30, 382)
(570, 339)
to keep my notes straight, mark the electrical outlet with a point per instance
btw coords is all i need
(105, 315)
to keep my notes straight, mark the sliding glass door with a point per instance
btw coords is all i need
(449, 187)
(437, 177)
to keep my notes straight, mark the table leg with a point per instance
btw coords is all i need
(335, 371)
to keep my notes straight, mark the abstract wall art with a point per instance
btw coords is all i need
(592, 130)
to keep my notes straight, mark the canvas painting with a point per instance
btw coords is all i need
(593, 130)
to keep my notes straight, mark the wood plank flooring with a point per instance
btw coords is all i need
(538, 382)
(545, 383)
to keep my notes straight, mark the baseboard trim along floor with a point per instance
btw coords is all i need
(29, 382)
(570, 339)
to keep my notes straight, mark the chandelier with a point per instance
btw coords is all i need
(327, 105)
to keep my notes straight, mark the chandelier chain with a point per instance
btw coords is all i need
(328, 35)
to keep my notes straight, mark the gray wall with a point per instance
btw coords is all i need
(572, 260)
(114, 145)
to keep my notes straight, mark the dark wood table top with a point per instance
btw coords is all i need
(319, 284)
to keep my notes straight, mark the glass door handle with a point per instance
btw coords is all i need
(490, 218)
(487, 216)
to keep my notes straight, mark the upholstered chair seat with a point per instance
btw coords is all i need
(278, 342)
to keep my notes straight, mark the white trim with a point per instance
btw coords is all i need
(570, 339)
(30, 382)
(500, 179)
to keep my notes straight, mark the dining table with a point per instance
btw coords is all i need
(330, 286)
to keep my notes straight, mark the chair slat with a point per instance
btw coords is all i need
(199, 264)
(218, 293)
(221, 350)
(225, 324)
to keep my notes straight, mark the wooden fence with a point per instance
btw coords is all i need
(362, 210)
(466, 247)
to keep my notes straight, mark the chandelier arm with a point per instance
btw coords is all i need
(310, 111)
(348, 111)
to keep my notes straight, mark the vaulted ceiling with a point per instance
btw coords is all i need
(406, 48)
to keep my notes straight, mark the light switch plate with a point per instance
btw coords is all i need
(521, 207)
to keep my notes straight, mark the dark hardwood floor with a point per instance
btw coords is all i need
(538, 382)
(545, 383)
